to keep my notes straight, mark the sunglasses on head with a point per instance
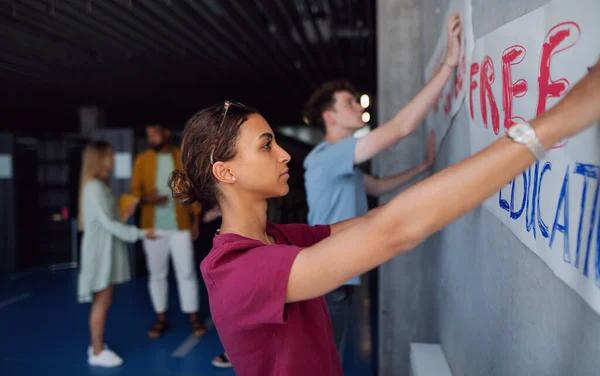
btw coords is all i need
(226, 106)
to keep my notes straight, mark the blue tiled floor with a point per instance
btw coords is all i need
(46, 331)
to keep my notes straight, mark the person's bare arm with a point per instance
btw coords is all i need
(378, 186)
(366, 242)
(338, 227)
(412, 115)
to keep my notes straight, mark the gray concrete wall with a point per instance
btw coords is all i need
(406, 285)
(496, 308)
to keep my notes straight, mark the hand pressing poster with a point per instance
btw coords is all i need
(519, 71)
(451, 98)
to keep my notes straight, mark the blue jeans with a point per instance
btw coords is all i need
(339, 303)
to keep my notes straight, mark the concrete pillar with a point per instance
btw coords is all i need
(406, 290)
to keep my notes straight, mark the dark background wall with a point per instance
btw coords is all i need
(7, 208)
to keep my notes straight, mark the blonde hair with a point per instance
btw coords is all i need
(92, 167)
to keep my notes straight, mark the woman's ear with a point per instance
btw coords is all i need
(223, 173)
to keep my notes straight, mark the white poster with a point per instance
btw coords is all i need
(123, 163)
(5, 166)
(451, 98)
(519, 71)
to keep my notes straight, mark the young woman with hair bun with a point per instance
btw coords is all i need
(266, 282)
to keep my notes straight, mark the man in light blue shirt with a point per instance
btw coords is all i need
(336, 188)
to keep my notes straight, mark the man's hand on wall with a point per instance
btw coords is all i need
(454, 28)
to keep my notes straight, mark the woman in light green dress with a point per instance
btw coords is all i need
(104, 260)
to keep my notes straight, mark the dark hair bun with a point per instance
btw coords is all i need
(182, 188)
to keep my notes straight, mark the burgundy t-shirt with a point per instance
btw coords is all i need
(262, 335)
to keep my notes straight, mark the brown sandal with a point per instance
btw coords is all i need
(158, 329)
(198, 328)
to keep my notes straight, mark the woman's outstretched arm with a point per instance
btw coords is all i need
(359, 245)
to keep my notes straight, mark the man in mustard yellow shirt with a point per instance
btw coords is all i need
(178, 226)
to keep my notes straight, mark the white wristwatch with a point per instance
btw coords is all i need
(524, 133)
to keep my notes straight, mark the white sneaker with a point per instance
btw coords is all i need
(106, 358)
(91, 349)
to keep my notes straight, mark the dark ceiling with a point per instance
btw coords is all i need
(161, 60)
